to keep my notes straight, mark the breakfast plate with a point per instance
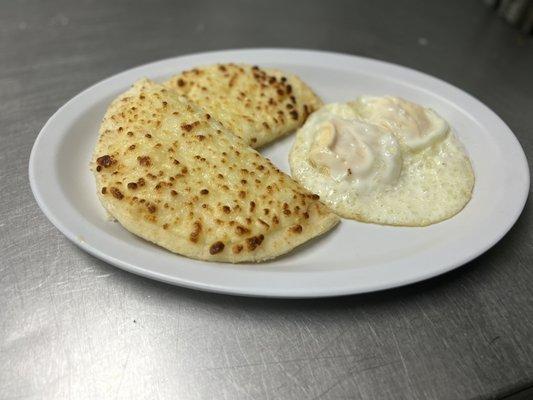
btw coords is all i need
(354, 257)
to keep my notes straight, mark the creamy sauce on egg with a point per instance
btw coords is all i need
(357, 152)
(417, 127)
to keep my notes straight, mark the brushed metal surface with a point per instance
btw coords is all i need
(73, 327)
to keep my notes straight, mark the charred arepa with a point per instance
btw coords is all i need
(168, 172)
(258, 105)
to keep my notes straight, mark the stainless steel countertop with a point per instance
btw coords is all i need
(72, 326)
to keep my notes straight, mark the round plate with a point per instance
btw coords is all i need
(353, 258)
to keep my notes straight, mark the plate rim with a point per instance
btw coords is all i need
(273, 293)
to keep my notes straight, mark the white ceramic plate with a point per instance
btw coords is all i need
(353, 258)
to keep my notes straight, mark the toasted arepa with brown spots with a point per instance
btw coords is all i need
(258, 105)
(170, 173)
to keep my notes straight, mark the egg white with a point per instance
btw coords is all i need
(435, 183)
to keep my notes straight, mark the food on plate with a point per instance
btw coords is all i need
(416, 127)
(170, 173)
(257, 104)
(383, 160)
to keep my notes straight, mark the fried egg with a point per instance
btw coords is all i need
(383, 160)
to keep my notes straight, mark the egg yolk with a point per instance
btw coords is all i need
(355, 151)
(415, 126)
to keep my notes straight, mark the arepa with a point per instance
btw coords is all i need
(259, 105)
(168, 172)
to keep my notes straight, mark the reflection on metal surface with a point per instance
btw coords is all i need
(517, 12)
